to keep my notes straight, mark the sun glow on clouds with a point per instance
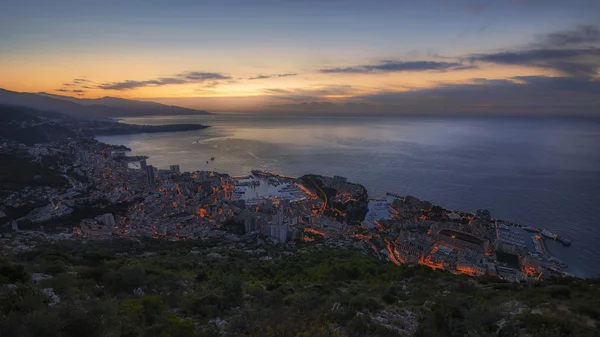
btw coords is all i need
(257, 66)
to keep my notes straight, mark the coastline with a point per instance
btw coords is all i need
(484, 178)
(116, 129)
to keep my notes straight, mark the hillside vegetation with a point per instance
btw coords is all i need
(157, 288)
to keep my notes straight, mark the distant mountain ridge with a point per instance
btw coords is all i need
(99, 108)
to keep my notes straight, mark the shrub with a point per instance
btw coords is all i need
(12, 273)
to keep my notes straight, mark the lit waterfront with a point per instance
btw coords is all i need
(536, 172)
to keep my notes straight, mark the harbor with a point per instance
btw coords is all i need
(262, 184)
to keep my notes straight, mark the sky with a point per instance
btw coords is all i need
(421, 57)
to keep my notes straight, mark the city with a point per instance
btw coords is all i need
(107, 194)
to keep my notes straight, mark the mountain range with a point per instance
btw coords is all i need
(96, 108)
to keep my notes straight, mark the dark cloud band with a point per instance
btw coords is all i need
(183, 78)
(397, 66)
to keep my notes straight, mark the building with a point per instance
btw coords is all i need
(175, 169)
(444, 257)
(250, 224)
(143, 165)
(150, 173)
(471, 263)
(117, 154)
(207, 186)
(279, 232)
(267, 206)
(282, 232)
(109, 219)
(279, 217)
(284, 203)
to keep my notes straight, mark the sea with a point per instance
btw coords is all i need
(542, 172)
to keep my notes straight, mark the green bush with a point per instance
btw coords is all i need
(173, 326)
(12, 273)
(364, 302)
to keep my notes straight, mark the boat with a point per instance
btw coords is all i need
(549, 234)
(532, 229)
(564, 241)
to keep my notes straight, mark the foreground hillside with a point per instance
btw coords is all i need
(194, 288)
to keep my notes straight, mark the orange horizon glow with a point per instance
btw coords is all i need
(246, 94)
(240, 57)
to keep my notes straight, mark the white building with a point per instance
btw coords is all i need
(109, 219)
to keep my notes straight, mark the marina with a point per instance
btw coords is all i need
(378, 209)
(262, 184)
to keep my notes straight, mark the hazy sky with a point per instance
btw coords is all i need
(515, 56)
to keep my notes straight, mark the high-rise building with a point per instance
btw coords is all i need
(279, 216)
(143, 165)
(282, 233)
(250, 224)
(175, 169)
(150, 173)
(268, 206)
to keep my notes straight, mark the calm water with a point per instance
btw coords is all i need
(543, 172)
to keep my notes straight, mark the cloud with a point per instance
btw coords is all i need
(582, 62)
(517, 95)
(397, 66)
(77, 85)
(521, 95)
(262, 77)
(484, 27)
(582, 35)
(571, 53)
(310, 94)
(76, 91)
(197, 76)
(182, 78)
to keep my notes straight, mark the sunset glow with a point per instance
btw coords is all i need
(274, 56)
